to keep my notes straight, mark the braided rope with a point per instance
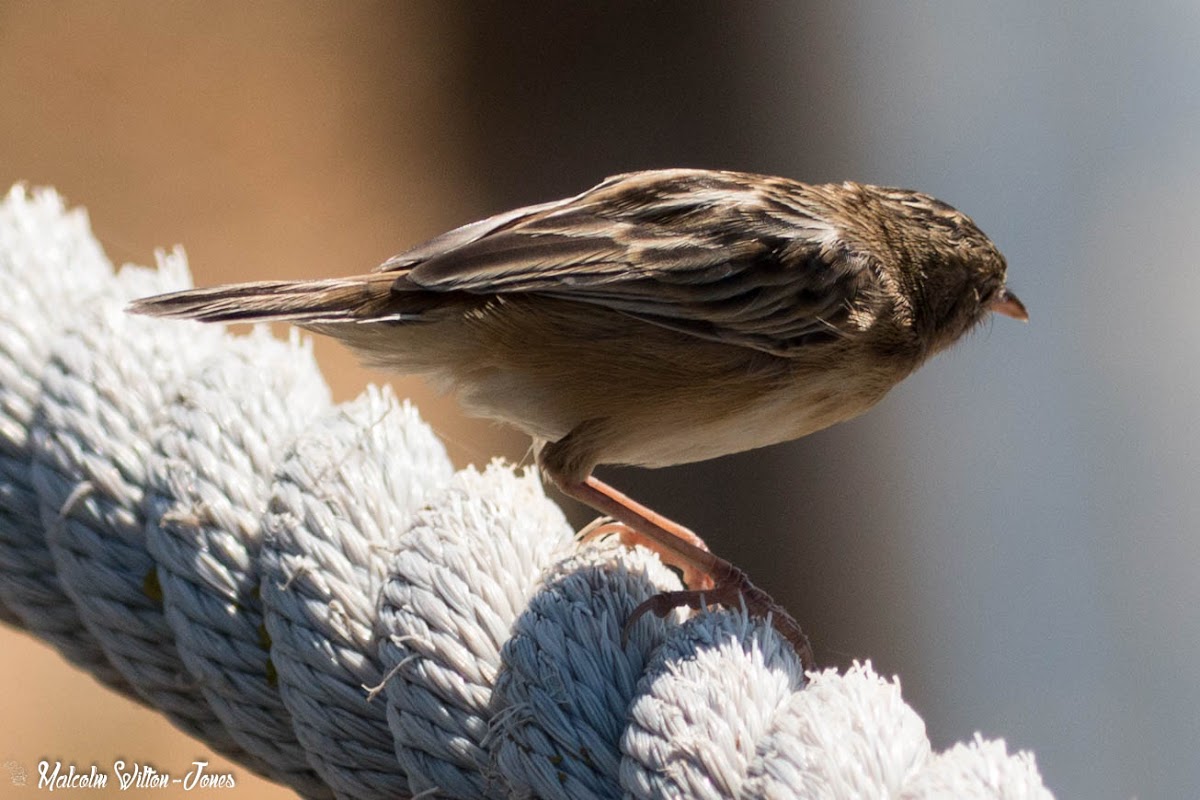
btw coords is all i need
(313, 591)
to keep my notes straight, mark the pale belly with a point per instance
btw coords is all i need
(685, 438)
(652, 397)
(688, 427)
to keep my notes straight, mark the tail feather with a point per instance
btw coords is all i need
(365, 298)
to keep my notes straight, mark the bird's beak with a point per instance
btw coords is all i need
(1006, 303)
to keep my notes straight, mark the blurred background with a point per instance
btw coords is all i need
(1013, 531)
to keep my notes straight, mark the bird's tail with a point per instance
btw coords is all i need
(364, 298)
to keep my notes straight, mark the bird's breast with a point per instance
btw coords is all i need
(697, 428)
(628, 392)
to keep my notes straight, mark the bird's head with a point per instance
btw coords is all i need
(951, 274)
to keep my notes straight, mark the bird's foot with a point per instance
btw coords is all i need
(732, 589)
(692, 577)
(709, 579)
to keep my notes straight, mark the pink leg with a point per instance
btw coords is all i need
(715, 579)
(630, 537)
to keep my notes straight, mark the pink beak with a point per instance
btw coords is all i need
(1006, 303)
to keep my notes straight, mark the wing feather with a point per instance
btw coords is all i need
(724, 256)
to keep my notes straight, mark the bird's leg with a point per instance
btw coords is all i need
(631, 537)
(717, 580)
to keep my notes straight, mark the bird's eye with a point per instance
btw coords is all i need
(990, 293)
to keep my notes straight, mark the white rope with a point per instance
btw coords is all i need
(312, 591)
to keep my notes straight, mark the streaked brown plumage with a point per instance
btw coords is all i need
(658, 318)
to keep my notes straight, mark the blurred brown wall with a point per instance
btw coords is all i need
(280, 139)
(270, 139)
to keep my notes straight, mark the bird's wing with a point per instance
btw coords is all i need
(723, 256)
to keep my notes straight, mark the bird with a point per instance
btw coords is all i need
(658, 318)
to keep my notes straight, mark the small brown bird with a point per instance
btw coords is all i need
(659, 318)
